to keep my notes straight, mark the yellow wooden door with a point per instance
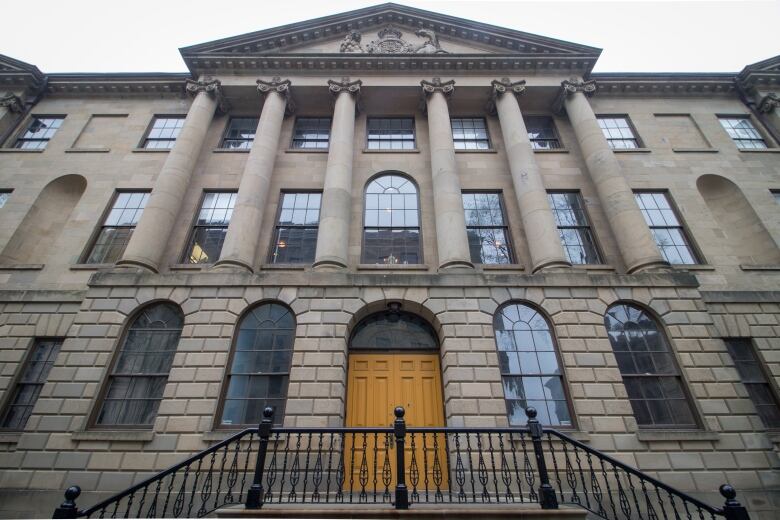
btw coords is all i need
(378, 383)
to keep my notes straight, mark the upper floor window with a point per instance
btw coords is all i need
(39, 132)
(163, 132)
(118, 227)
(754, 377)
(574, 228)
(311, 132)
(210, 228)
(470, 133)
(775, 194)
(742, 131)
(295, 236)
(650, 373)
(391, 233)
(139, 374)
(28, 387)
(240, 133)
(4, 195)
(669, 234)
(618, 132)
(542, 133)
(391, 133)
(486, 228)
(260, 366)
(529, 365)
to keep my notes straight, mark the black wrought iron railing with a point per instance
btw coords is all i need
(401, 466)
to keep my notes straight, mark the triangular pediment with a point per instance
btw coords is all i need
(763, 73)
(15, 72)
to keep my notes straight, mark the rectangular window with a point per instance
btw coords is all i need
(295, 236)
(753, 376)
(618, 132)
(775, 193)
(470, 133)
(391, 133)
(211, 226)
(311, 132)
(4, 194)
(574, 228)
(27, 389)
(542, 133)
(669, 234)
(39, 132)
(163, 132)
(486, 228)
(742, 131)
(240, 133)
(118, 227)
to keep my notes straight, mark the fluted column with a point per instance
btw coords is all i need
(247, 220)
(631, 232)
(151, 235)
(770, 105)
(336, 208)
(451, 237)
(541, 231)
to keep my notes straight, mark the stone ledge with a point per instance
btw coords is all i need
(676, 435)
(593, 267)
(187, 267)
(90, 267)
(285, 267)
(695, 150)
(746, 267)
(740, 296)
(42, 296)
(307, 150)
(231, 150)
(500, 267)
(694, 267)
(393, 267)
(551, 150)
(632, 150)
(20, 150)
(413, 150)
(10, 437)
(759, 150)
(22, 267)
(88, 150)
(422, 511)
(151, 150)
(489, 150)
(114, 436)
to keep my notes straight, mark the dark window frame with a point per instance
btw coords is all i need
(225, 132)
(7, 193)
(278, 226)
(630, 125)
(557, 140)
(775, 195)
(755, 125)
(419, 217)
(598, 250)
(194, 226)
(488, 140)
(507, 232)
(83, 259)
(145, 139)
(696, 253)
(30, 121)
(368, 139)
(293, 140)
(767, 375)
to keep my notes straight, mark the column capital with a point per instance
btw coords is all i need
(768, 103)
(213, 88)
(350, 87)
(281, 87)
(13, 102)
(501, 86)
(429, 87)
(572, 86)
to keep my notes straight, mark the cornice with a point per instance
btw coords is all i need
(762, 74)
(16, 73)
(664, 83)
(118, 83)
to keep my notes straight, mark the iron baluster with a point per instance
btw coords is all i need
(141, 503)
(340, 470)
(232, 476)
(582, 476)
(622, 498)
(167, 495)
(493, 466)
(205, 492)
(221, 473)
(178, 504)
(352, 468)
(387, 472)
(306, 472)
(437, 474)
(284, 467)
(633, 492)
(246, 466)
(425, 464)
(651, 514)
(295, 471)
(254, 497)
(460, 472)
(448, 460)
(363, 474)
(152, 511)
(194, 487)
(317, 476)
(596, 488)
(399, 429)
(270, 473)
(414, 472)
(376, 459)
(482, 473)
(471, 468)
(555, 464)
(506, 475)
(530, 477)
(516, 467)
(330, 467)
(129, 505)
(571, 478)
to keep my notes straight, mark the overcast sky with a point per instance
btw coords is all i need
(637, 36)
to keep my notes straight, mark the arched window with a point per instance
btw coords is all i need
(137, 381)
(391, 233)
(648, 367)
(390, 330)
(529, 366)
(260, 367)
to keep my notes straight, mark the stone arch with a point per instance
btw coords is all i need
(45, 221)
(744, 233)
(406, 306)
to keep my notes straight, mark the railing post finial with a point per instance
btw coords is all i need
(254, 497)
(547, 498)
(68, 509)
(399, 430)
(732, 509)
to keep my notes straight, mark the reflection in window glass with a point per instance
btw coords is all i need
(118, 227)
(392, 226)
(573, 226)
(240, 133)
(211, 226)
(393, 331)
(487, 233)
(648, 367)
(742, 131)
(295, 237)
(38, 134)
(4, 197)
(666, 228)
(529, 366)
(469, 133)
(311, 132)
(755, 380)
(163, 133)
(618, 132)
(391, 133)
(541, 132)
(260, 369)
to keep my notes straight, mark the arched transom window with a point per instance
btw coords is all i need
(648, 367)
(391, 233)
(260, 366)
(529, 366)
(137, 381)
(393, 331)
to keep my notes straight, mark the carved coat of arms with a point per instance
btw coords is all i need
(391, 42)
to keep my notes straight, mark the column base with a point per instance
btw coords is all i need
(138, 262)
(551, 265)
(329, 265)
(230, 263)
(456, 264)
(648, 266)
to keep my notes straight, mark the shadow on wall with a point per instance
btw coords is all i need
(742, 229)
(44, 221)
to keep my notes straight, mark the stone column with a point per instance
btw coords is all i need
(631, 232)
(451, 238)
(151, 235)
(333, 234)
(11, 106)
(769, 105)
(541, 231)
(247, 220)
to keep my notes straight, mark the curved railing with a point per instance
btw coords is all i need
(401, 466)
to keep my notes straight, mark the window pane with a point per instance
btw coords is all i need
(469, 133)
(541, 132)
(391, 133)
(574, 229)
(163, 132)
(295, 236)
(117, 228)
(311, 132)
(666, 228)
(392, 233)
(618, 132)
(752, 375)
(31, 380)
(742, 131)
(38, 133)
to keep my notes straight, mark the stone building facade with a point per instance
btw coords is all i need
(707, 144)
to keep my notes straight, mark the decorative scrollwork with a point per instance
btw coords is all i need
(12, 102)
(574, 86)
(282, 87)
(390, 41)
(500, 87)
(345, 85)
(211, 87)
(351, 42)
(446, 88)
(768, 103)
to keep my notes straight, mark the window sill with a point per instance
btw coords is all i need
(285, 267)
(746, 267)
(22, 267)
(90, 267)
(231, 150)
(188, 267)
(114, 435)
(307, 150)
(593, 267)
(150, 150)
(414, 150)
(676, 435)
(695, 150)
(499, 267)
(10, 437)
(693, 267)
(759, 150)
(393, 267)
(20, 150)
(489, 150)
(88, 150)
(632, 150)
(551, 150)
